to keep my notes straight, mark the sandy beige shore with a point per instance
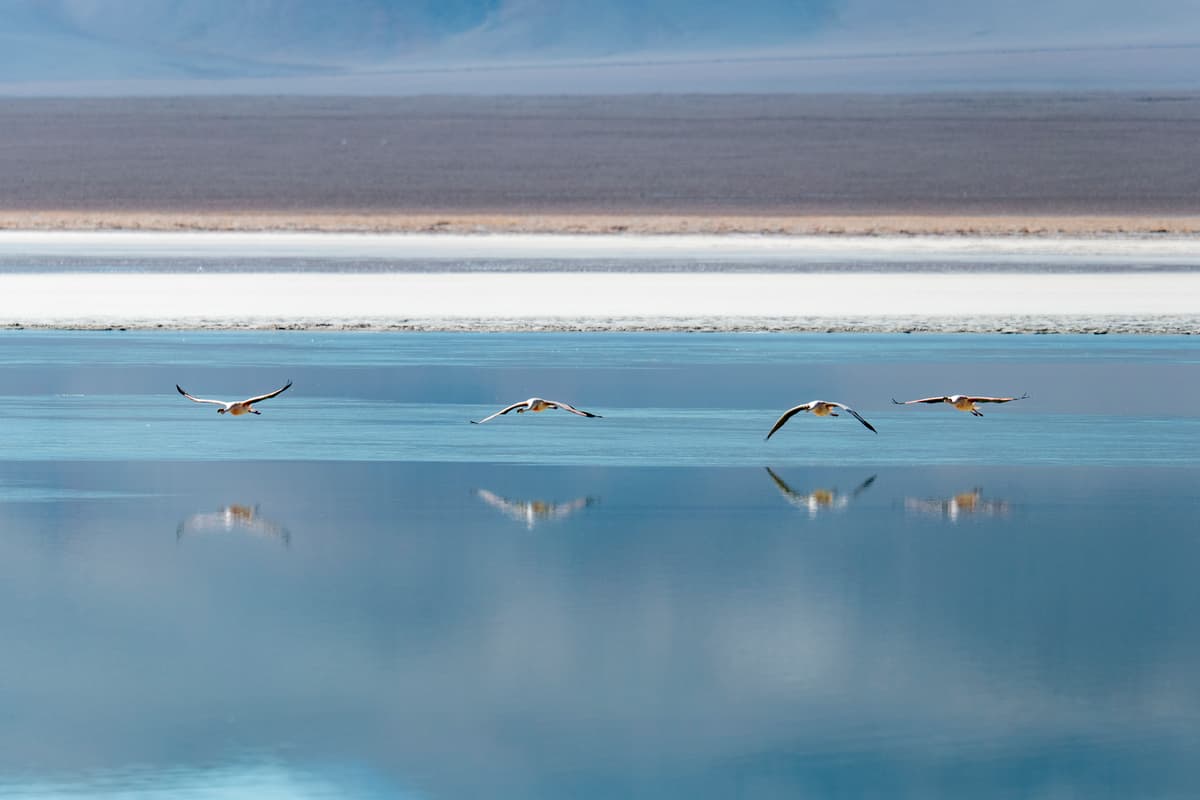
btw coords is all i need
(642, 224)
(1077, 302)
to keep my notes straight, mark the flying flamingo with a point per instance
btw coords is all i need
(536, 404)
(238, 407)
(820, 408)
(962, 402)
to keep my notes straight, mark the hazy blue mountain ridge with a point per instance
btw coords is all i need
(861, 44)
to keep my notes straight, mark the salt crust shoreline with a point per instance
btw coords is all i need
(884, 223)
(1154, 303)
(239, 251)
(1098, 326)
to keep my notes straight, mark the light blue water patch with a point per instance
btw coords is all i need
(265, 779)
(665, 399)
(359, 592)
(283, 349)
(114, 427)
(24, 492)
(593, 632)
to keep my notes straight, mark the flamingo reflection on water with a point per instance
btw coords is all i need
(233, 519)
(961, 504)
(533, 512)
(818, 500)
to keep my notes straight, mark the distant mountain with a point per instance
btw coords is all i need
(64, 39)
(594, 28)
(186, 40)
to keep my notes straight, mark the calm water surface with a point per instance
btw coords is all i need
(358, 594)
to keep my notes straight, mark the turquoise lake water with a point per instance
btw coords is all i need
(359, 594)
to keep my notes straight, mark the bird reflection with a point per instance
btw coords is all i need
(233, 519)
(818, 500)
(533, 512)
(961, 504)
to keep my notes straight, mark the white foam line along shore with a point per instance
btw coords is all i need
(1162, 251)
(1150, 302)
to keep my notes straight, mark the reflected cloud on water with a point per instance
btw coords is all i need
(857, 664)
(532, 513)
(818, 501)
(265, 778)
(961, 504)
(233, 518)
